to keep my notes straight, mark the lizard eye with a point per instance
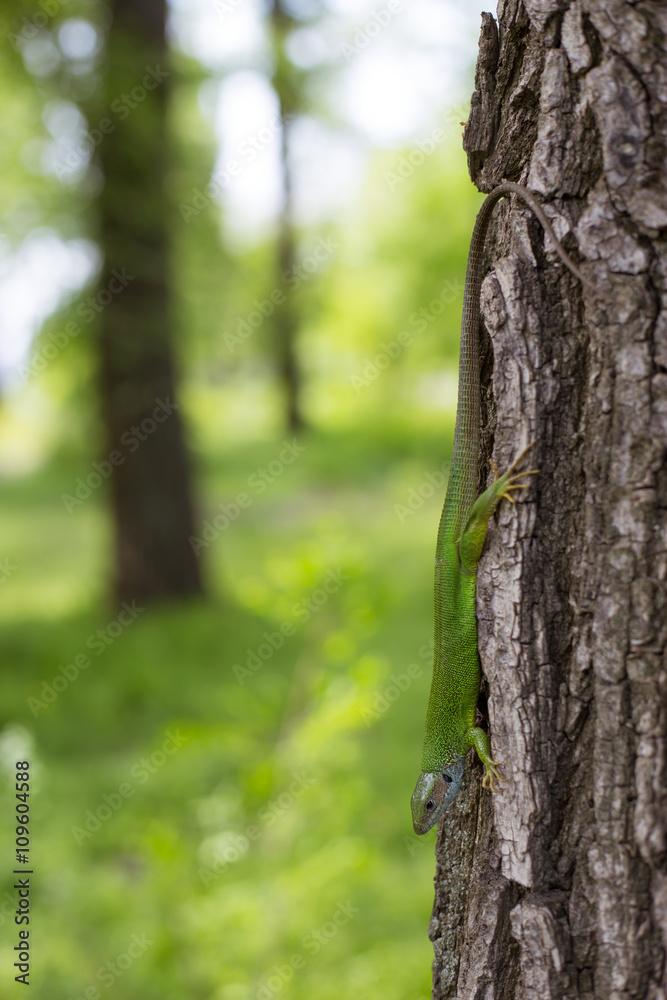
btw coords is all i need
(430, 804)
(448, 778)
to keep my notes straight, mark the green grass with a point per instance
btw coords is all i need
(295, 783)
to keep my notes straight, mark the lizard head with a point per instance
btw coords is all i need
(433, 792)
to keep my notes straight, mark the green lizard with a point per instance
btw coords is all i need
(450, 717)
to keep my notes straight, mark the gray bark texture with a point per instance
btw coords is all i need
(555, 887)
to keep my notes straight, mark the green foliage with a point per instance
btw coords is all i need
(382, 328)
(284, 806)
(288, 796)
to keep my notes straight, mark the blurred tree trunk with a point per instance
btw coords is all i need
(555, 887)
(151, 486)
(286, 83)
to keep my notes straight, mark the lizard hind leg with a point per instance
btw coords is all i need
(472, 538)
(509, 481)
(519, 459)
(480, 741)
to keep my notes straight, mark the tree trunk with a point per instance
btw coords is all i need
(555, 887)
(285, 318)
(150, 483)
(287, 85)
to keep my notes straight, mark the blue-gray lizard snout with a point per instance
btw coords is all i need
(433, 792)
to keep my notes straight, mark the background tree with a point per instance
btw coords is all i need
(288, 85)
(150, 489)
(555, 887)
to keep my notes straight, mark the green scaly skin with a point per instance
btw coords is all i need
(450, 717)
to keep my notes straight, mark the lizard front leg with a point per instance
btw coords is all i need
(480, 741)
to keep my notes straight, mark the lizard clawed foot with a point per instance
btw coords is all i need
(512, 478)
(491, 773)
(520, 457)
(513, 485)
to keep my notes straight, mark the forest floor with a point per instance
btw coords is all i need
(220, 790)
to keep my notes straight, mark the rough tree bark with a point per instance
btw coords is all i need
(150, 488)
(556, 887)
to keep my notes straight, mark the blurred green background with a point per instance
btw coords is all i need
(220, 796)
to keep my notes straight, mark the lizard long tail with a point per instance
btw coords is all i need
(462, 486)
